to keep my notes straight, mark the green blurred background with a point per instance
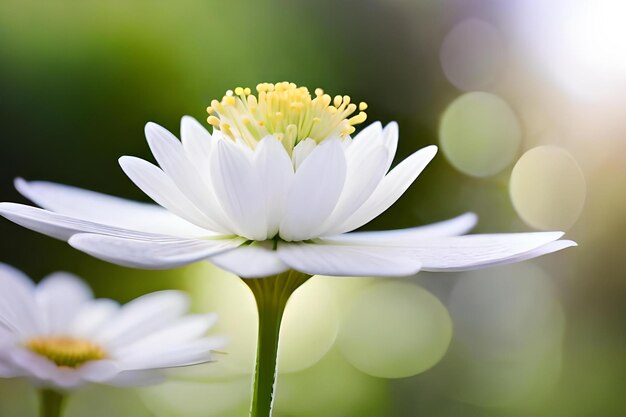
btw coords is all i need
(525, 98)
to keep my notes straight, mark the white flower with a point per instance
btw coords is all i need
(58, 335)
(277, 186)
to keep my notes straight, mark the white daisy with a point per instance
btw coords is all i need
(58, 335)
(275, 187)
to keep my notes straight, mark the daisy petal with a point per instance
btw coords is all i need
(479, 251)
(364, 172)
(301, 151)
(323, 258)
(250, 262)
(148, 254)
(369, 134)
(98, 371)
(390, 139)
(92, 316)
(60, 296)
(275, 171)
(392, 186)
(159, 187)
(105, 209)
(142, 316)
(169, 356)
(180, 332)
(239, 190)
(315, 190)
(169, 153)
(196, 142)
(405, 237)
(19, 312)
(63, 227)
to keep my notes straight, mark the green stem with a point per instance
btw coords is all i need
(51, 403)
(271, 294)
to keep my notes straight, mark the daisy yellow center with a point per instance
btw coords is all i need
(286, 111)
(66, 351)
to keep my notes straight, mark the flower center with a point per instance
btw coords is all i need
(66, 351)
(286, 111)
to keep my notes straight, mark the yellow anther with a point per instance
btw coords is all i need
(66, 352)
(225, 127)
(359, 118)
(362, 106)
(286, 111)
(210, 109)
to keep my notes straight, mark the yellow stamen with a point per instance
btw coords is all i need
(286, 111)
(66, 351)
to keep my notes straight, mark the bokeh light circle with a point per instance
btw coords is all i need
(479, 134)
(548, 188)
(472, 55)
(394, 330)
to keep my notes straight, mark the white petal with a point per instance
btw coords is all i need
(390, 139)
(239, 190)
(322, 258)
(405, 237)
(480, 251)
(365, 142)
(302, 151)
(196, 141)
(148, 254)
(368, 134)
(63, 227)
(251, 261)
(392, 186)
(98, 371)
(459, 253)
(105, 209)
(365, 170)
(60, 296)
(169, 153)
(142, 316)
(275, 171)
(181, 331)
(314, 192)
(19, 312)
(159, 187)
(92, 316)
(168, 356)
